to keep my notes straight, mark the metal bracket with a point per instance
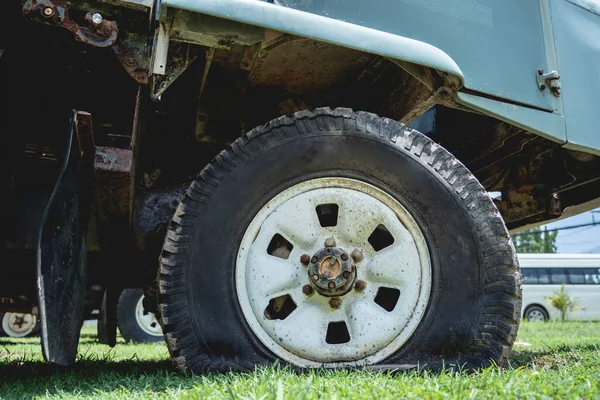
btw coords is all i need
(161, 42)
(549, 79)
(130, 49)
(101, 33)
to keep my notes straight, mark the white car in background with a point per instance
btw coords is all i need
(543, 275)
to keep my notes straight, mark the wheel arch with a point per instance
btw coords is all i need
(410, 54)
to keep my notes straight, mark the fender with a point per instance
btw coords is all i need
(304, 24)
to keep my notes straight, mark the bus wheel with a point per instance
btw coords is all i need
(536, 314)
(337, 238)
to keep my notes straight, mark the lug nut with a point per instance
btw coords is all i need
(307, 290)
(97, 18)
(331, 285)
(48, 12)
(314, 259)
(330, 242)
(335, 302)
(315, 277)
(357, 255)
(344, 257)
(304, 259)
(346, 274)
(360, 285)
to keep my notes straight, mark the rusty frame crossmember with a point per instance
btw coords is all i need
(100, 32)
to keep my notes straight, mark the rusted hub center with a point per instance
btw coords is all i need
(20, 321)
(330, 267)
(331, 271)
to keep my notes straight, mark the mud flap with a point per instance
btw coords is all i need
(61, 252)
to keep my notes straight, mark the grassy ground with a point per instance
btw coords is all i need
(552, 360)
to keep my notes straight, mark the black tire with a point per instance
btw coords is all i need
(2, 333)
(128, 324)
(475, 303)
(535, 312)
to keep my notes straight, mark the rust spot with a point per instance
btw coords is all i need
(100, 35)
(113, 159)
(360, 285)
(330, 267)
(335, 302)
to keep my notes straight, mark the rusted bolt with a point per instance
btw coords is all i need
(97, 19)
(540, 71)
(556, 90)
(130, 62)
(314, 259)
(304, 259)
(357, 255)
(346, 274)
(360, 285)
(330, 242)
(315, 277)
(335, 302)
(331, 285)
(344, 256)
(307, 290)
(48, 12)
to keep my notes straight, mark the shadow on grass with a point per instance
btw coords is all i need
(550, 356)
(91, 373)
(8, 341)
(26, 379)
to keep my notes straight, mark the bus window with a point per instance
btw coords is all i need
(576, 276)
(558, 276)
(529, 276)
(543, 275)
(592, 276)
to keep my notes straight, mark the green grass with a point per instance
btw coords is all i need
(552, 360)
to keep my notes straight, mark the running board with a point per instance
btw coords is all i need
(61, 251)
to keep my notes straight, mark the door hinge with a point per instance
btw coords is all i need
(549, 79)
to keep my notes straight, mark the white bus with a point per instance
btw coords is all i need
(543, 274)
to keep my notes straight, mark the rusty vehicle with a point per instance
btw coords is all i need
(322, 183)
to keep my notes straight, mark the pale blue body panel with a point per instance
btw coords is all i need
(497, 44)
(577, 38)
(494, 48)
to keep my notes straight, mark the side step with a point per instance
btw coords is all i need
(61, 251)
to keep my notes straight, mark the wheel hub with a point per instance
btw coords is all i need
(331, 272)
(372, 274)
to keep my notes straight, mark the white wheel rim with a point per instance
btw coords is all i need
(374, 333)
(535, 316)
(146, 320)
(18, 325)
